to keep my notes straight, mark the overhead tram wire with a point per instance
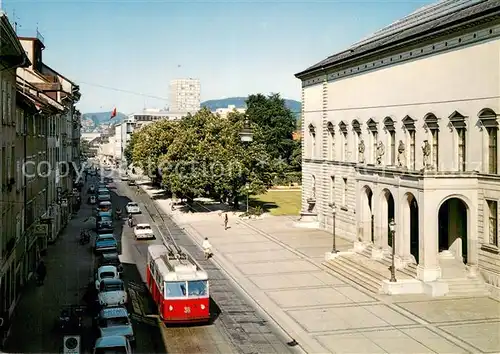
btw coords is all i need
(407, 104)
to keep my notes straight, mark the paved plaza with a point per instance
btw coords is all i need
(279, 266)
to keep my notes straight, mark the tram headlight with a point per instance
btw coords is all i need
(202, 306)
(170, 308)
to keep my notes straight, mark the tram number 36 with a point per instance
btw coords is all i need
(187, 309)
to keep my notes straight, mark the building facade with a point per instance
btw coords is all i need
(185, 95)
(61, 95)
(11, 156)
(403, 126)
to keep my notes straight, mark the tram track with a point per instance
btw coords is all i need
(238, 327)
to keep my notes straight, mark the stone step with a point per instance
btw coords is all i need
(351, 271)
(467, 287)
(410, 269)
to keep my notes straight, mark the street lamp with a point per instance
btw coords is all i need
(247, 186)
(334, 212)
(392, 229)
(246, 134)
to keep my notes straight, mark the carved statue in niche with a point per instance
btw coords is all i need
(426, 150)
(380, 152)
(401, 154)
(361, 151)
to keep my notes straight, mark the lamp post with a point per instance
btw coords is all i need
(247, 186)
(246, 136)
(334, 212)
(392, 229)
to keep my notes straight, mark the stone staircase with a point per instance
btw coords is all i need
(368, 273)
(410, 269)
(364, 271)
(460, 283)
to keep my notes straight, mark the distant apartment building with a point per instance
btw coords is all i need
(223, 112)
(118, 143)
(185, 95)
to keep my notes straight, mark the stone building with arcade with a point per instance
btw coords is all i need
(403, 125)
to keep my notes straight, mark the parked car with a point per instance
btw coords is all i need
(143, 231)
(104, 226)
(105, 272)
(112, 293)
(112, 344)
(104, 190)
(133, 208)
(113, 321)
(104, 206)
(104, 197)
(110, 259)
(124, 177)
(132, 182)
(106, 245)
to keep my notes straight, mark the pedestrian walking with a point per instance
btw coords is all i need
(225, 221)
(41, 272)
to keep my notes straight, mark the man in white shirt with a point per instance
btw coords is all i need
(207, 248)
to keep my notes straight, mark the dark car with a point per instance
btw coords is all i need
(104, 227)
(110, 259)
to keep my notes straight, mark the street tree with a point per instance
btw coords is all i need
(277, 122)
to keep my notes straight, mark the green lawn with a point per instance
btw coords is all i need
(278, 202)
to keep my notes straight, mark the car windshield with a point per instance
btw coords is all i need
(117, 321)
(132, 204)
(111, 350)
(176, 289)
(143, 227)
(197, 288)
(112, 287)
(105, 275)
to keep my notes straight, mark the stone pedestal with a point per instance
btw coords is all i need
(428, 274)
(436, 288)
(403, 286)
(472, 270)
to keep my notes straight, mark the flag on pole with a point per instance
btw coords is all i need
(113, 113)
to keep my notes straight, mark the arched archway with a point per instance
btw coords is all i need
(453, 227)
(410, 224)
(367, 232)
(387, 213)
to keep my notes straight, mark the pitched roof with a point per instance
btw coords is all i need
(426, 20)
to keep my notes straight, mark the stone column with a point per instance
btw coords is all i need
(428, 268)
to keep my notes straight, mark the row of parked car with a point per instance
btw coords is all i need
(113, 320)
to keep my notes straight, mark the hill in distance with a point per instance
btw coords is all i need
(239, 102)
(91, 121)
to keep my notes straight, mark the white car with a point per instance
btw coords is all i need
(106, 272)
(124, 177)
(112, 293)
(143, 231)
(133, 208)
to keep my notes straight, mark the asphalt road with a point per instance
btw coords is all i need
(237, 327)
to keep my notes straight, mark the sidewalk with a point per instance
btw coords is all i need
(69, 268)
(278, 266)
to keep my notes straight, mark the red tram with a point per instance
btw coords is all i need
(178, 285)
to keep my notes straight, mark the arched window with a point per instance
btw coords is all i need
(345, 141)
(409, 124)
(457, 121)
(372, 127)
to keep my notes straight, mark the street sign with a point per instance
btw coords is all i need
(71, 344)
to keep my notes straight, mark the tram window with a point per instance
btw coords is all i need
(176, 289)
(197, 288)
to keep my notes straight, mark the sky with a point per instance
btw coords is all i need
(123, 53)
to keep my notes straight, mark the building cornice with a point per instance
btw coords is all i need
(472, 33)
(21, 59)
